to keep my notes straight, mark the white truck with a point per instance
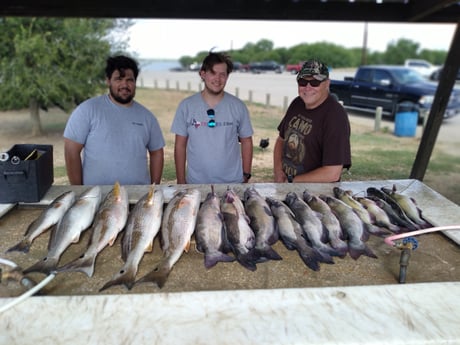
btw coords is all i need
(424, 67)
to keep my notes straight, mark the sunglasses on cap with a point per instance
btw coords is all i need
(312, 82)
(211, 115)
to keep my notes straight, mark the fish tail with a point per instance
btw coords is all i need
(311, 259)
(46, 266)
(125, 277)
(212, 259)
(266, 253)
(375, 230)
(341, 247)
(325, 257)
(22, 246)
(356, 250)
(157, 276)
(84, 264)
(247, 260)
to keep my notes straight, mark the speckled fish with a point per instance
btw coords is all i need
(109, 221)
(311, 226)
(378, 215)
(363, 214)
(77, 219)
(291, 234)
(408, 205)
(240, 234)
(263, 223)
(330, 222)
(352, 225)
(47, 219)
(396, 213)
(210, 233)
(142, 226)
(178, 224)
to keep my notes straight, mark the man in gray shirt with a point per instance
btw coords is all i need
(213, 142)
(121, 139)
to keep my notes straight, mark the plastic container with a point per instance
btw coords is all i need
(406, 120)
(26, 174)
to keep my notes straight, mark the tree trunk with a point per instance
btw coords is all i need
(35, 118)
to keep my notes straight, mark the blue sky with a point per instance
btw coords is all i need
(173, 38)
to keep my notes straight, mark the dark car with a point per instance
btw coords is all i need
(265, 66)
(437, 74)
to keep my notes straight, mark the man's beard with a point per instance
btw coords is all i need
(120, 99)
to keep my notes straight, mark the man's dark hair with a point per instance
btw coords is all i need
(121, 63)
(214, 58)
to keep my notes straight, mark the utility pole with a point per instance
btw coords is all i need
(364, 49)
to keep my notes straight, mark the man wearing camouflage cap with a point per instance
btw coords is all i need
(314, 135)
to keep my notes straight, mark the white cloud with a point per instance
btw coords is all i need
(173, 38)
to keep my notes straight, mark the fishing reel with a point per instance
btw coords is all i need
(407, 245)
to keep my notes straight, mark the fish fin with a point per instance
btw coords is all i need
(356, 251)
(247, 260)
(212, 259)
(125, 277)
(112, 240)
(375, 230)
(311, 257)
(45, 266)
(266, 253)
(325, 257)
(158, 276)
(187, 246)
(267, 211)
(84, 264)
(291, 245)
(342, 248)
(22, 246)
(149, 247)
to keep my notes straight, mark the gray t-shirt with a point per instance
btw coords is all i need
(116, 141)
(213, 154)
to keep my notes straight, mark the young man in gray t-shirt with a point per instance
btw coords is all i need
(213, 142)
(121, 140)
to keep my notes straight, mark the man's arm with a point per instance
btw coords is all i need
(327, 173)
(180, 153)
(73, 165)
(156, 165)
(279, 175)
(246, 154)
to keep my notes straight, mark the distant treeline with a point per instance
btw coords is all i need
(334, 55)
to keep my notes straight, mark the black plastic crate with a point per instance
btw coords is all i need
(26, 173)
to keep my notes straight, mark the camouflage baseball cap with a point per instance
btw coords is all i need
(314, 68)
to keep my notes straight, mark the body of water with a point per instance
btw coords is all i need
(159, 65)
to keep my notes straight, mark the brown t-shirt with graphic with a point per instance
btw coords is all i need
(315, 137)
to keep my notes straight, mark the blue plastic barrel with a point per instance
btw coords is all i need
(406, 120)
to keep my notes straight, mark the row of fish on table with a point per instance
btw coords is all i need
(226, 228)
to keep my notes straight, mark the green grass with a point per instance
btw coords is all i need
(375, 155)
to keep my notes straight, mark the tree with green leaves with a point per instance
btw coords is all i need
(46, 62)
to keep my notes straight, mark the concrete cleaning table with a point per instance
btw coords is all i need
(283, 302)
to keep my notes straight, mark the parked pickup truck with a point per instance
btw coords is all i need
(294, 68)
(388, 87)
